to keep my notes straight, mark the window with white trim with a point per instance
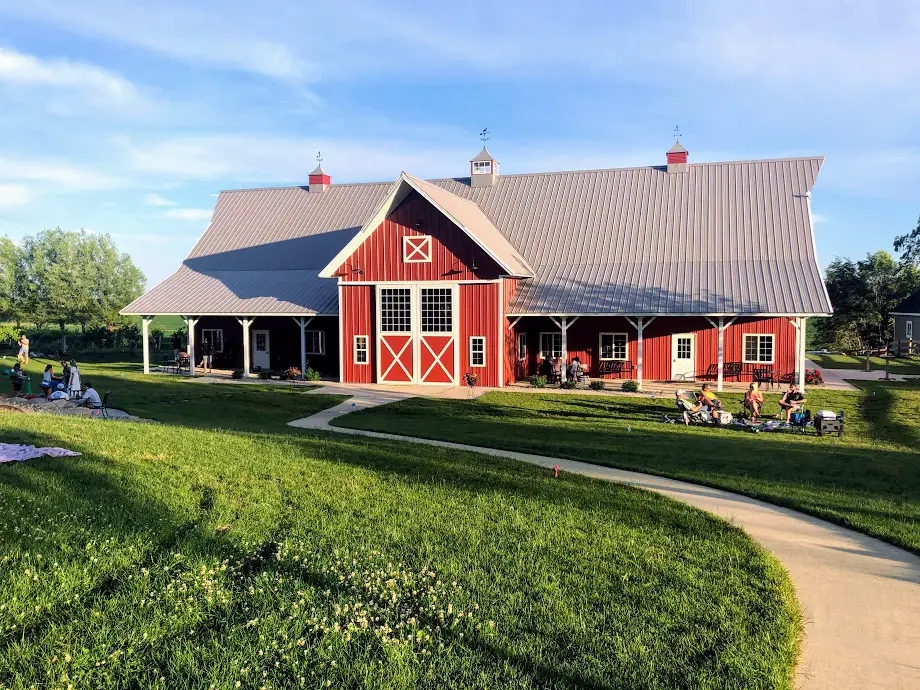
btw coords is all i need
(482, 167)
(909, 330)
(614, 346)
(360, 349)
(316, 342)
(215, 336)
(522, 346)
(396, 310)
(437, 310)
(758, 348)
(416, 249)
(477, 351)
(550, 345)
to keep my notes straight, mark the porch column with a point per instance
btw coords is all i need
(565, 349)
(191, 322)
(721, 325)
(302, 322)
(801, 353)
(145, 334)
(246, 322)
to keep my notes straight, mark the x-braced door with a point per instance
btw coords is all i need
(437, 335)
(397, 352)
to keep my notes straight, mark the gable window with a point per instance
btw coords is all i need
(522, 346)
(909, 330)
(550, 345)
(360, 349)
(215, 336)
(613, 346)
(316, 342)
(417, 250)
(477, 351)
(758, 349)
(480, 167)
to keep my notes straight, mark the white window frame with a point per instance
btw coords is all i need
(482, 167)
(365, 349)
(417, 249)
(522, 346)
(554, 334)
(473, 339)
(308, 342)
(909, 329)
(600, 347)
(204, 336)
(744, 357)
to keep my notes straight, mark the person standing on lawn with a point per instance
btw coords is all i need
(23, 356)
(47, 380)
(207, 355)
(792, 401)
(74, 387)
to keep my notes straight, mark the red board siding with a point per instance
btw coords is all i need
(380, 257)
(480, 310)
(584, 335)
(357, 314)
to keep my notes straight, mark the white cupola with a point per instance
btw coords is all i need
(483, 169)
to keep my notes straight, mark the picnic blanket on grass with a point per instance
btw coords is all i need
(15, 452)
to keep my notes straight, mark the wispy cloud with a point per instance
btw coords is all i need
(99, 84)
(158, 200)
(14, 195)
(189, 213)
(59, 175)
(818, 218)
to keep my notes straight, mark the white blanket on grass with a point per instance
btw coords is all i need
(13, 452)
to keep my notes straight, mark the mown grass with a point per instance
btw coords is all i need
(900, 365)
(868, 480)
(175, 557)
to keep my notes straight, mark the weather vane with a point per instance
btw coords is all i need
(676, 133)
(319, 157)
(484, 135)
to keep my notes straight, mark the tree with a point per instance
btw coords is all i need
(9, 269)
(863, 293)
(908, 246)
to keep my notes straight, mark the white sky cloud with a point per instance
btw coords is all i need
(60, 175)
(189, 213)
(14, 195)
(99, 84)
(158, 200)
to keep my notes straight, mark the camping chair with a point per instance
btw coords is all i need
(104, 407)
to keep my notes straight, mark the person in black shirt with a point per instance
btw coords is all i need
(792, 401)
(207, 355)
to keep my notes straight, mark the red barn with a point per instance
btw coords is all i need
(673, 272)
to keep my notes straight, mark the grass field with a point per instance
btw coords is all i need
(223, 549)
(903, 365)
(868, 480)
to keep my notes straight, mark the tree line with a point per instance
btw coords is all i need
(58, 277)
(863, 293)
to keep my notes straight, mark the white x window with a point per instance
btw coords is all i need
(417, 250)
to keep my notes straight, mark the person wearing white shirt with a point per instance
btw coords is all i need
(73, 386)
(90, 397)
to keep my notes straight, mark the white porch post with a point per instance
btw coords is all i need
(801, 353)
(145, 333)
(640, 326)
(721, 352)
(565, 349)
(191, 322)
(302, 322)
(245, 322)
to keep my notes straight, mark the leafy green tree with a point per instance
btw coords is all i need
(863, 293)
(908, 246)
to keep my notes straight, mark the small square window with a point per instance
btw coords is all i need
(417, 249)
(477, 351)
(360, 349)
(522, 346)
(758, 349)
(316, 342)
(482, 167)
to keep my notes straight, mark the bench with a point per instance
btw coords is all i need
(616, 367)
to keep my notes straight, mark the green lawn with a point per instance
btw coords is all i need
(902, 365)
(223, 549)
(868, 480)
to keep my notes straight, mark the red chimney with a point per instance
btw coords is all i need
(677, 159)
(319, 180)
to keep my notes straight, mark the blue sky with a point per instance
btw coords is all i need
(127, 118)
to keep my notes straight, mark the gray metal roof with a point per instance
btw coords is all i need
(729, 238)
(482, 156)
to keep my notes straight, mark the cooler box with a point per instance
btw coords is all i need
(827, 422)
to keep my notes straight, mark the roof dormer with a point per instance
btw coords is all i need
(483, 169)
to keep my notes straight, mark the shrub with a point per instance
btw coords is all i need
(630, 386)
(568, 384)
(265, 374)
(237, 374)
(813, 377)
(597, 385)
(538, 381)
(290, 374)
(311, 374)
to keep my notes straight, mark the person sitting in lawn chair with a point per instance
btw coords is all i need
(90, 398)
(753, 400)
(792, 401)
(690, 413)
(709, 399)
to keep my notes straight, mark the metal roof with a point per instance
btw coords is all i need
(732, 238)
(910, 305)
(482, 156)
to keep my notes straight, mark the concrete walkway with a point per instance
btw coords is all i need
(860, 597)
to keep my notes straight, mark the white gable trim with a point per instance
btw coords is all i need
(398, 193)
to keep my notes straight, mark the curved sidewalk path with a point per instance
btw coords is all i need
(860, 597)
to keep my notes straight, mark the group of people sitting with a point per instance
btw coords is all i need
(67, 386)
(705, 404)
(551, 368)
